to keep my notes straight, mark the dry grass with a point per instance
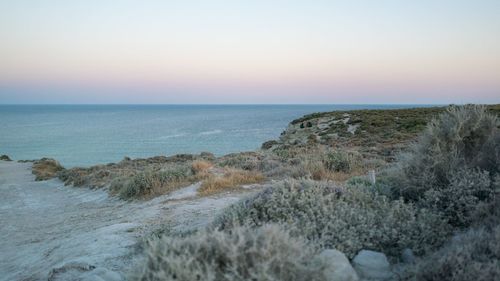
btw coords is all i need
(200, 167)
(46, 168)
(153, 183)
(231, 179)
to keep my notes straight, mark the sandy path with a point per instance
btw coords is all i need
(51, 231)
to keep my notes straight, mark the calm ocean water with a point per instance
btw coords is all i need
(83, 135)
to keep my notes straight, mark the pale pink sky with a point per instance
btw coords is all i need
(388, 51)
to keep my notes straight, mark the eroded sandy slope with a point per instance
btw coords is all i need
(51, 231)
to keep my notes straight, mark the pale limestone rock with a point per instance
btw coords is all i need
(337, 266)
(371, 265)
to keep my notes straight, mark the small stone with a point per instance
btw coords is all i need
(337, 267)
(371, 265)
(407, 256)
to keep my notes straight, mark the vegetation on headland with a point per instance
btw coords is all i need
(437, 194)
(447, 182)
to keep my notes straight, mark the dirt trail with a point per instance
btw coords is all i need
(49, 231)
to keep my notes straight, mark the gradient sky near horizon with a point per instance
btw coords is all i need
(186, 51)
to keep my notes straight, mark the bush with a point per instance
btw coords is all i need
(200, 166)
(5, 157)
(462, 137)
(452, 165)
(149, 183)
(265, 253)
(341, 161)
(333, 217)
(474, 255)
(244, 160)
(460, 199)
(269, 144)
(46, 168)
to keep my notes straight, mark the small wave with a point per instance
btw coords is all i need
(172, 136)
(213, 132)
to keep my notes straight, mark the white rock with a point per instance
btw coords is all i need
(337, 266)
(372, 265)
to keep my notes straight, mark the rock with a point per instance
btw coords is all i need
(407, 256)
(5, 158)
(337, 266)
(372, 265)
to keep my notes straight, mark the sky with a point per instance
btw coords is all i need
(234, 51)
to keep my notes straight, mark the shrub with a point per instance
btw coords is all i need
(149, 183)
(269, 144)
(341, 161)
(474, 255)
(5, 157)
(244, 160)
(200, 166)
(46, 168)
(346, 219)
(462, 137)
(231, 179)
(74, 176)
(451, 167)
(265, 253)
(460, 199)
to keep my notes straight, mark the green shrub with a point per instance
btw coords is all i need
(462, 137)
(265, 253)
(333, 217)
(452, 165)
(341, 161)
(151, 182)
(474, 255)
(244, 161)
(359, 181)
(5, 157)
(459, 200)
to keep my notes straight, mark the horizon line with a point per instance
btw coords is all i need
(159, 104)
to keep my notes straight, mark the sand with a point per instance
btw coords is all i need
(54, 232)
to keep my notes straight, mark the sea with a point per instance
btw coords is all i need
(85, 135)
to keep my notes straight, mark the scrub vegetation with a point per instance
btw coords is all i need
(263, 253)
(437, 192)
(230, 179)
(46, 168)
(438, 197)
(348, 219)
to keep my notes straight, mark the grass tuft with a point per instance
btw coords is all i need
(231, 179)
(46, 168)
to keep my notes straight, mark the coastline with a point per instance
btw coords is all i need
(96, 232)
